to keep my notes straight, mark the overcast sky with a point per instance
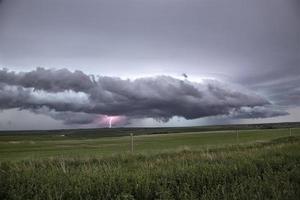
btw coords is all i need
(240, 60)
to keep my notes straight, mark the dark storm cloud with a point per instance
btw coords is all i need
(49, 80)
(13, 98)
(257, 112)
(27, 98)
(76, 97)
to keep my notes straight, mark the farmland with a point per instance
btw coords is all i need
(179, 163)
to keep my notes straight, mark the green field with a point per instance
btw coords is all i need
(14, 147)
(191, 164)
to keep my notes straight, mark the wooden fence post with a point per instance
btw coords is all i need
(131, 134)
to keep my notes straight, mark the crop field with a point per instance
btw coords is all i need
(191, 164)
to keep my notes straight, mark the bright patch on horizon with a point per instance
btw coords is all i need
(111, 121)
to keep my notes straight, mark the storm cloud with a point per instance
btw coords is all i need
(231, 43)
(48, 80)
(257, 112)
(75, 97)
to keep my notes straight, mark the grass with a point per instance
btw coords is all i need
(18, 147)
(260, 164)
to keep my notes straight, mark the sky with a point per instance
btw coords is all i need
(81, 64)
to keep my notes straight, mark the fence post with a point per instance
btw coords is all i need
(131, 134)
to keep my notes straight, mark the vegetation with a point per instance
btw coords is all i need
(36, 146)
(258, 164)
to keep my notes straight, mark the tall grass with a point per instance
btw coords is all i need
(259, 171)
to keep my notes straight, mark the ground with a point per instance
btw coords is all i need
(217, 164)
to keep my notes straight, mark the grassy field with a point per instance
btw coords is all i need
(258, 164)
(22, 146)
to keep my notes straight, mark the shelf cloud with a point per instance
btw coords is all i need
(79, 98)
(151, 57)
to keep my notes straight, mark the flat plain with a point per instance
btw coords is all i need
(190, 163)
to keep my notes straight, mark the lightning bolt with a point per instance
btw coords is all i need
(110, 121)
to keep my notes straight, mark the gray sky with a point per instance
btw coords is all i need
(252, 47)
